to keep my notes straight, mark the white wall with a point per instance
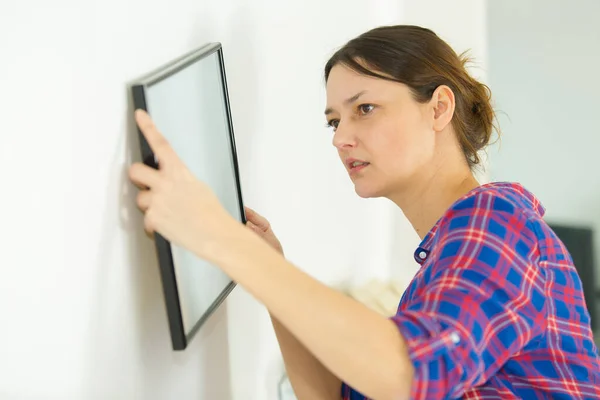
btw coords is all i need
(80, 298)
(544, 61)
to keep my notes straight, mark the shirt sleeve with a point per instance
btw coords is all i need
(483, 300)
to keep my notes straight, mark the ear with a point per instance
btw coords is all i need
(443, 104)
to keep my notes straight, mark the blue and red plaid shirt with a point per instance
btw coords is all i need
(496, 310)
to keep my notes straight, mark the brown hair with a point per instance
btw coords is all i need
(418, 58)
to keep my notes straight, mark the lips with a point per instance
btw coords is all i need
(355, 164)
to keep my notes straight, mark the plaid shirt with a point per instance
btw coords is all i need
(496, 310)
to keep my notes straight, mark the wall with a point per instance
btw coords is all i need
(543, 62)
(80, 296)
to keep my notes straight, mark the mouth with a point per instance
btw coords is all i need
(356, 165)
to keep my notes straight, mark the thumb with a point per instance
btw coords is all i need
(256, 219)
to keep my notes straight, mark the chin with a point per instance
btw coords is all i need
(368, 191)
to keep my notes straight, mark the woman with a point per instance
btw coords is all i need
(496, 310)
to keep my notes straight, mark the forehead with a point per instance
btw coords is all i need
(344, 83)
(343, 78)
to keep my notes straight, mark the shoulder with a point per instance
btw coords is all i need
(504, 198)
(497, 220)
(498, 203)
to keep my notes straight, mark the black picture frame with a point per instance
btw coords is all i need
(138, 90)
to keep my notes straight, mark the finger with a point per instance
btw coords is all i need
(257, 219)
(144, 199)
(149, 223)
(150, 235)
(253, 227)
(148, 227)
(157, 142)
(143, 176)
(140, 186)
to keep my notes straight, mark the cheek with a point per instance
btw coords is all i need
(408, 146)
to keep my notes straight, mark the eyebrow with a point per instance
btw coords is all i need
(349, 100)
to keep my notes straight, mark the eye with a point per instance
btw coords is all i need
(362, 109)
(333, 124)
(365, 108)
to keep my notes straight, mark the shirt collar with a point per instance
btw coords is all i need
(422, 252)
(424, 248)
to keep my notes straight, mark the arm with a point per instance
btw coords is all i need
(353, 342)
(309, 378)
(356, 344)
(482, 303)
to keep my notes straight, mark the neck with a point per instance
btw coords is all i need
(432, 193)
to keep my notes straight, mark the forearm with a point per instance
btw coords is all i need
(310, 379)
(356, 344)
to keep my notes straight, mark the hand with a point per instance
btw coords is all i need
(261, 226)
(182, 209)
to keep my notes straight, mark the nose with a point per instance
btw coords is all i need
(343, 137)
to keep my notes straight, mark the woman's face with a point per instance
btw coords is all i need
(383, 136)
